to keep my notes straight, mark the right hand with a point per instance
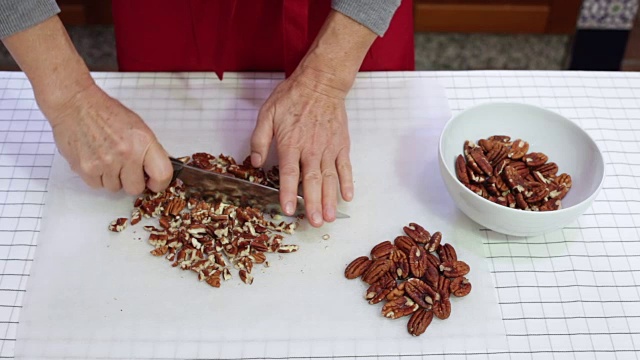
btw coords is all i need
(107, 144)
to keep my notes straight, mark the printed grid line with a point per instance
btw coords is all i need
(568, 294)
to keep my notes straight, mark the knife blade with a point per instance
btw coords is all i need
(232, 190)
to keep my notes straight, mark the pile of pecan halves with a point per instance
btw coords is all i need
(208, 236)
(415, 275)
(504, 172)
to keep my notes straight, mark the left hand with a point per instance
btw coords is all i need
(308, 119)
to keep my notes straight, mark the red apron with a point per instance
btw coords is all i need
(240, 35)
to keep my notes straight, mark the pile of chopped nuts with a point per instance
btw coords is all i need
(411, 278)
(208, 237)
(506, 173)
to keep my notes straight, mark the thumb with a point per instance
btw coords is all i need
(158, 167)
(261, 138)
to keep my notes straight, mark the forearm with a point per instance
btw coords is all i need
(47, 56)
(337, 52)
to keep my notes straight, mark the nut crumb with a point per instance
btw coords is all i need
(326, 237)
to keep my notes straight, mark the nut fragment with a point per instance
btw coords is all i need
(245, 277)
(118, 225)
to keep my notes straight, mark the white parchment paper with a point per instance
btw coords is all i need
(97, 294)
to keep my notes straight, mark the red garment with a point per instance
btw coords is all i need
(240, 35)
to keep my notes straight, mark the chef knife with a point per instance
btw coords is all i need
(229, 189)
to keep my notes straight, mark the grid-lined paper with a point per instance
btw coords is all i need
(569, 294)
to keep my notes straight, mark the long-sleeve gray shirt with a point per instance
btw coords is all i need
(18, 15)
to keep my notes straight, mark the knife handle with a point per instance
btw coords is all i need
(177, 167)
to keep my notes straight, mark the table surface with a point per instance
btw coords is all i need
(562, 295)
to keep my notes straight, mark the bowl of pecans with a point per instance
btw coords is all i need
(519, 169)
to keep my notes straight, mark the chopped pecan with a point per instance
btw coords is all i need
(419, 322)
(245, 277)
(118, 225)
(160, 251)
(357, 267)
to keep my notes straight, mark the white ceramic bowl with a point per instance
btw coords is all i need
(563, 141)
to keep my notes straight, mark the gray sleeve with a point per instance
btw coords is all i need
(18, 15)
(374, 14)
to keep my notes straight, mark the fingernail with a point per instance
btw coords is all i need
(256, 159)
(316, 218)
(330, 213)
(288, 208)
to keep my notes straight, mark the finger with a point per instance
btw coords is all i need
(289, 178)
(158, 167)
(132, 178)
(345, 174)
(111, 180)
(95, 182)
(312, 188)
(261, 138)
(329, 187)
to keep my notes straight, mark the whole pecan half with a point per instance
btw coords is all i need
(498, 155)
(399, 307)
(382, 250)
(421, 293)
(418, 261)
(419, 322)
(417, 233)
(518, 149)
(357, 267)
(454, 269)
(379, 290)
(431, 276)
(377, 269)
(442, 308)
(461, 170)
(460, 286)
(535, 159)
(404, 243)
(434, 242)
(401, 263)
(396, 292)
(481, 161)
(548, 169)
(447, 253)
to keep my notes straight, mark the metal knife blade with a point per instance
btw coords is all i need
(232, 190)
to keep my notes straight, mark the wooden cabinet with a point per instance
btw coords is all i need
(85, 12)
(497, 16)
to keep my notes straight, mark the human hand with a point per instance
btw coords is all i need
(308, 120)
(107, 144)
